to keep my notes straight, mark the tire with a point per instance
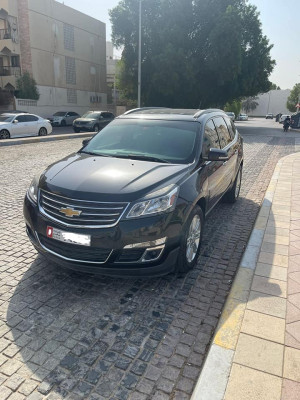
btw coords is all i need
(96, 128)
(76, 130)
(43, 131)
(191, 241)
(4, 134)
(63, 123)
(232, 195)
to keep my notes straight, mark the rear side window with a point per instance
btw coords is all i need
(230, 126)
(223, 132)
(210, 139)
(31, 118)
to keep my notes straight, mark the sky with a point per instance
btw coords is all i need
(280, 23)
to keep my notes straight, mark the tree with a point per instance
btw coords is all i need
(294, 98)
(274, 86)
(195, 53)
(235, 106)
(250, 104)
(26, 87)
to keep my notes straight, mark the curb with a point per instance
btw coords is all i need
(40, 139)
(213, 379)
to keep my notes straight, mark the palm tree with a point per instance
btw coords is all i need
(250, 104)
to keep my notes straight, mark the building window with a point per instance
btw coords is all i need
(95, 99)
(15, 61)
(72, 96)
(69, 37)
(70, 71)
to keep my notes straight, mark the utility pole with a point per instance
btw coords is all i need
(140, 55)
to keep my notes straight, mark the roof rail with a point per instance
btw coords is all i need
(209, 110)
(142, 108)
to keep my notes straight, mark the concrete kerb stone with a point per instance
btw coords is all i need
(39, 139)
(215, 373)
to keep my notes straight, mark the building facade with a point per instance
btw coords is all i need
(272, 102)
(63, 49)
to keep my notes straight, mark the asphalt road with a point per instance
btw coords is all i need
(77, 336)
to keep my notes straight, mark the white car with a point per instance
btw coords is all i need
(243, 117)
(21, 124)
(63, 118)
(283, 117)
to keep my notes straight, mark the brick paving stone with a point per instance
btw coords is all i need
(62, 327)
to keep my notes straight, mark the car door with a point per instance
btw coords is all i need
(214, 169)
(231, 147)
(33, 125)
(19, 126)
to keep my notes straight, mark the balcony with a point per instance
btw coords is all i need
(5, 34)
(10, 71)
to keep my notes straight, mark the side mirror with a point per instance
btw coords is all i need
(15, 121)
(217, 155)
(85, 142)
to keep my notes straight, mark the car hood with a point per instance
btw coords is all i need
(4, 123)
(85, 119)
(96, 178)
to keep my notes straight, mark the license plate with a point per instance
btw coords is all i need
(68, 237)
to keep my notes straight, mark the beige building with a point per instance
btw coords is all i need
(63, 49)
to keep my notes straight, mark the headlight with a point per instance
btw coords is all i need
(33, 189)
(156, 205)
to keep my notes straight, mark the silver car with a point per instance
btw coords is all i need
(20, 125)
(63, 118)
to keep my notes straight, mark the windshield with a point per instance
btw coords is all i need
(168, 141)
(91, 115)
(59, 114)
(6, 118)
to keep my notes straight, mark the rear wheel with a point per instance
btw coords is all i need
(191, 240)
(4, 134)
(43, 132)
(232, 195)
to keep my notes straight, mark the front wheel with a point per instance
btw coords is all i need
(232, 195)
(63, 123)
(43, 132)
(191, 241)
(96, 128)
(4, 134)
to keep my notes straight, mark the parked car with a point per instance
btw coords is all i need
(269, 116)
(283, 117)
(93, 121)
(133, 200)
(231, 115)
(243, 117)
(63, 118)
(23, 124)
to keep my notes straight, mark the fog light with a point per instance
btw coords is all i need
(150, 243)
(153, 253)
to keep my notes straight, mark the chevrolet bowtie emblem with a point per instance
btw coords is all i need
(70, 212)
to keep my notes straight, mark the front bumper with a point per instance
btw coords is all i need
(88, 128)
(109, 244)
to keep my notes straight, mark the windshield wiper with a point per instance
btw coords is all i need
(95, 154)
(141, 157)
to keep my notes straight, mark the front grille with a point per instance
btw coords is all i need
(130, 255)
(93, 213)
(75, 252)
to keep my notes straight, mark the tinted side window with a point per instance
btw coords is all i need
(210, 138)
(21, 118)
(222, 130)
(31, 118)
(230, 127)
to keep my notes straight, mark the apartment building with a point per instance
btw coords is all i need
(64, 50)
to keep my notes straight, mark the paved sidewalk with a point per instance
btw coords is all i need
(255, 354)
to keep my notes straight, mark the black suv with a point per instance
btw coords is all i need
(133, 200)
(93, 121)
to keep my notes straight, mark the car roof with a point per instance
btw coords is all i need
(168, 113)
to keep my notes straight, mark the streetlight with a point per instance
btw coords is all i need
(140, 55)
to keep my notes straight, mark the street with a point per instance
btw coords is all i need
(70, 335)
